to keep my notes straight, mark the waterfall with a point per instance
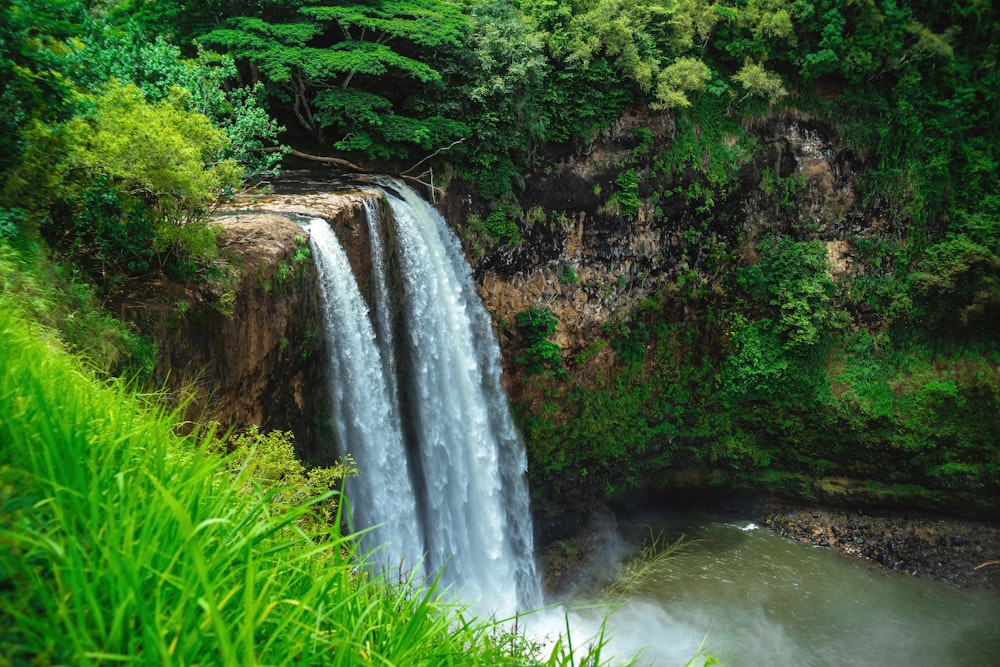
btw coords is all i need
(478, 528)
(365, 412)
(466, 509)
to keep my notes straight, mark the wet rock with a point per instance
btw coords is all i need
(949, 549)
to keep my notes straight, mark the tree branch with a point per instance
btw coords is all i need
(322, 159)
(350, 166)
(438, 151)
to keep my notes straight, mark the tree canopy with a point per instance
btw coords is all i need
(477, 85)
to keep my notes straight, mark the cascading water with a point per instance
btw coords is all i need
(365, 412)
(478, 527)
(471, 500)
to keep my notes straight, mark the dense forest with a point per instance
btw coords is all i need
(126, 122)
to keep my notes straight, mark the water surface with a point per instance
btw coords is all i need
(759, 600)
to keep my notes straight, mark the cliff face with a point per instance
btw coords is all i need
(649, 226)
(245, 345)
(589, 263)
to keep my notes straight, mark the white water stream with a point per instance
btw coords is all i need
(441, 482)
(366, 411)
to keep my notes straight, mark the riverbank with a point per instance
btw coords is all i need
(962, 552)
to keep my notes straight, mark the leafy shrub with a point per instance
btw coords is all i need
(11, 220)
(500, 228)
(125, 180)
(791, 278)
(267, 462)
(627, 194)
(958, 283)
(540, 354)
(111, 234)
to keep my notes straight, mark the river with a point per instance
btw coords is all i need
(753, 599)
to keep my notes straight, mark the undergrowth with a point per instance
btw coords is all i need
(125, 543)
(60, 298)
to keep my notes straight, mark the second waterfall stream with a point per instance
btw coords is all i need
(418, 402)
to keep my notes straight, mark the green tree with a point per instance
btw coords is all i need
(157, 67)
(348, 67)
(503, 82)
(123, 180)
(756, 80)
(654, 44)
(33, 36)
(680, 77)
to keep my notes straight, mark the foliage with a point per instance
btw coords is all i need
(157, 67)
(919, 419)
(791, 278)
(267, 463)
(709, 148)
(679, 78)
(58, 298)
(499, 228)
(623, 427)
(758, 81)
(646, 42)
(161, 153)
(11, 221)
(957, 281)
(125, 181)
(291, 271)
(32, 83)
(505, 67)
(627, 194)
(330, 85)
(579, 100)
(540, 355)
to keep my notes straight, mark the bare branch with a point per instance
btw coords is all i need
(438, 151)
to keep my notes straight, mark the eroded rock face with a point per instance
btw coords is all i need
(589, 265)
(247, 346)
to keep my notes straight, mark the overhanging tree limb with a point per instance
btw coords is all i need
(322, 159)
(350, 166)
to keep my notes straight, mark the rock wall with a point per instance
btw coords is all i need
(245, 345)
(589, 264)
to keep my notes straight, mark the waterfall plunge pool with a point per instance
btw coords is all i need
(754, 599)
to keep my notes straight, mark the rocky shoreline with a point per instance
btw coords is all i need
(962, 552)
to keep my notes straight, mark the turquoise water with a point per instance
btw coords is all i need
(753, 599)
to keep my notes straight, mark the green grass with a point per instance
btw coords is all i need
(58, 297)
(651, 563)
(124, 543)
